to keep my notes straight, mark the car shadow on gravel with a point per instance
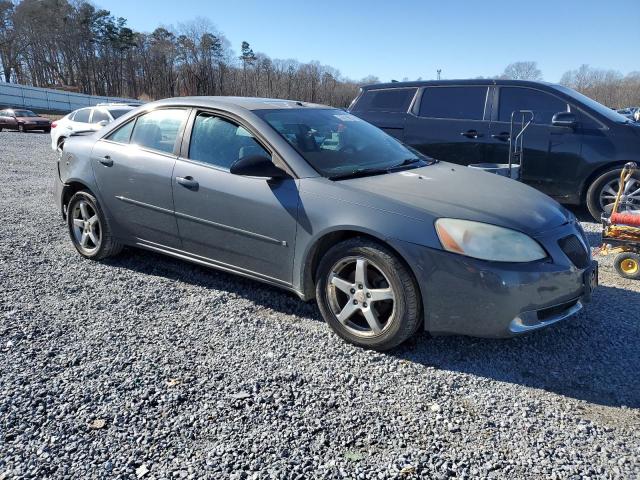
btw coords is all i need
(592, 357)
(150, 263)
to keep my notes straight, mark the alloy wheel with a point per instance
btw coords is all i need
(630, 199)
(361, 296)
(86, 227)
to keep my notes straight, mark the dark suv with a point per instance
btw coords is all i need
(573, 151)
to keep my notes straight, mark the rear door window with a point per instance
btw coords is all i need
(159, 129)
(543, 105)
(82, 115)
(385, 100)
(123, 134)
(461, 103)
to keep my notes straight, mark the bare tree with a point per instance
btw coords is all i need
(608, 87)
(71, 44)
(522, 71)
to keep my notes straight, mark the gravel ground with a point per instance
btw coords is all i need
(144, 366)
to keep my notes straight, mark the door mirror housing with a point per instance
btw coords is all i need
(103, 123)
(564, 119)
(257, 166)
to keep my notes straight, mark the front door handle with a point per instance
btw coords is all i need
(106, 161)
(503, 136)
(188, 182)
(471, 134)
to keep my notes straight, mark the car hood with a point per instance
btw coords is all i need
(33, 119)
(454, 191)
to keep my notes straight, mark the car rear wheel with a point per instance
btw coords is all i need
(627, 264)
(21, 128)
(367, 295)
(89, 227)
(601, 194)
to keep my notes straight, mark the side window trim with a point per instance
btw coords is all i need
(486, 112)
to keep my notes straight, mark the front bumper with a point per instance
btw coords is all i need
(462, 295)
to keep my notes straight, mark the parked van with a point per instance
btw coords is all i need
(573, 151)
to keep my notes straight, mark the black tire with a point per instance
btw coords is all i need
(47, 130)
(627, 265)
(596, 188)
(0, 129)
(404, 319)
(107, 246)
(21, 128)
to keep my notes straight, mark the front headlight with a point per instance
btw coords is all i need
(487, 242)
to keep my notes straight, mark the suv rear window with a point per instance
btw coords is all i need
(462, 103)
(387, 100)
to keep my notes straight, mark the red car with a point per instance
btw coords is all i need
(23, 120)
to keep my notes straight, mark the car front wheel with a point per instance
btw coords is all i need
(21, 128)
(367, 295)
(89, 228)
(601, 194)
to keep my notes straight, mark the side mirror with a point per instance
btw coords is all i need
(257, 166)
(103, 123)
(564, 119)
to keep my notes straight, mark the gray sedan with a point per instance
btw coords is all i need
(316, 201)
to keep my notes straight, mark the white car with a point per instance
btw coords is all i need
(86, 119)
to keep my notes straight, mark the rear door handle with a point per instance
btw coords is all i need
(106, 161)
(471, 134)
(504, 136)
(188, 182)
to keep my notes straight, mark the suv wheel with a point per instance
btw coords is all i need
(601, 194)
(89, 227)
(367, 295)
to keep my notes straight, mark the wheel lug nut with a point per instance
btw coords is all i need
(368, 295)
(355, 302)
(364, 304)
(353, 290)
(360, 286)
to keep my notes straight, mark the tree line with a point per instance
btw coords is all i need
(73, 45)
(609, 87)
(76, 46)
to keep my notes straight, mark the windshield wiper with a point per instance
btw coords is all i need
(363, 172)
(360, 172)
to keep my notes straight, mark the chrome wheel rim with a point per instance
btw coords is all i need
(86, 229)
(630, 199)
(361, 296)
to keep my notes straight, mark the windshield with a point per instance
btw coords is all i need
(118, 113)
(24, 113)
(338, 144)
(591, 103)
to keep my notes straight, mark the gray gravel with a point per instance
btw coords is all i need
(147, 367)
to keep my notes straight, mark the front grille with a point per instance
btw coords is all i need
(575, 250)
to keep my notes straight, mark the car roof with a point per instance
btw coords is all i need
(462, 82)
(248, 103)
